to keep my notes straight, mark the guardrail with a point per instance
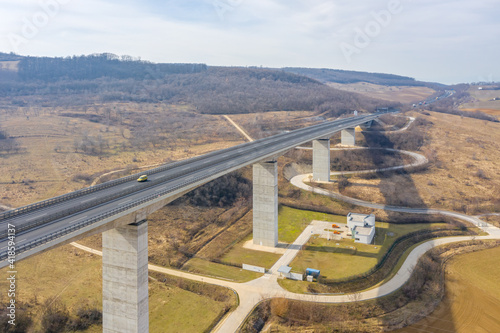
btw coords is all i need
(92, 203)
(107, 199)
(119, 181)
(91, 189)
(94, 219)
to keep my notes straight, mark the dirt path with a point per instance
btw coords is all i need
(265, 287)
(238, 128)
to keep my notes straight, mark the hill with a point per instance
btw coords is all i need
(106, 77)
(342, 76)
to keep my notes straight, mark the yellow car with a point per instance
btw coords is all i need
(142, 178)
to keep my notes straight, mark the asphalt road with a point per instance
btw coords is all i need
(186, 174)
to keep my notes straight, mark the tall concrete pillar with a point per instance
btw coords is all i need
(367, 125)
(125, 307)
(348, 137)
(321, 160)
(265, 203)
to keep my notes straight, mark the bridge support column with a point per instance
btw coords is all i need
(367, 125)
(321, 160)
(265, 203)
(125, 279)
(348, 137)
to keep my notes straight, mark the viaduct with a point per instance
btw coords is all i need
(118, 209)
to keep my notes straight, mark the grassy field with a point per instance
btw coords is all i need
(401, 94)
(263, 124)
(472, 299)
(47, 163)
(221, 271)
(238, 254)
(48, 277)
(344, 258)
(483, 100)
(291, 222)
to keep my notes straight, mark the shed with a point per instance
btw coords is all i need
(285, 271)
(313, 272)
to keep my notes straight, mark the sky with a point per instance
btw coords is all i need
(446, 41)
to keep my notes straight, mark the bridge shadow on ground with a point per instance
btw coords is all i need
(399, 189)
(339, 250)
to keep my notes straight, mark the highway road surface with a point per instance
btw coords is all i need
(87, 206)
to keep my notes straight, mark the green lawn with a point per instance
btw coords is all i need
(238, 254)
(349, 259)
(177, 310)
(205, 267)
(74, 277)
(291, 222)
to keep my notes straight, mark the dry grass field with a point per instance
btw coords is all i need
(259, 125)
(487, 101)
(47, 164)
(472, 300)
(401, 94)
(9, 65)
(47, 279)
(463, 174)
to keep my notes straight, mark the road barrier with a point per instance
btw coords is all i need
(251, 145)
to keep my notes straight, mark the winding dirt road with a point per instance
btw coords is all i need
(265, 287)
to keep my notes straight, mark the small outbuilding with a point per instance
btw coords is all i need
(285, 271)
(312, 272)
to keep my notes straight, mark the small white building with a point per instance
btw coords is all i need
(362, 227)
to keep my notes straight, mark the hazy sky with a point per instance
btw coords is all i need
(448, 41)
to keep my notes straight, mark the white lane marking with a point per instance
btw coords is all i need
(34, 218)
(129, 186)
(17, 242)
(84, 217)
(124, 202)
(86, 200)
(186, 168)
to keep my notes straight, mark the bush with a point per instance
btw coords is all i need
(223, 191)
(343, 182)
(82, 177)
(480, 174)
(86, 317)
(55, 317)
(22, 324)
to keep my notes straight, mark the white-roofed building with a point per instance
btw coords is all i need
(362, 227)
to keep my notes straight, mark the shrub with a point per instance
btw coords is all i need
(55, 317)
(480, 174)
(86, 317)
(223, 191)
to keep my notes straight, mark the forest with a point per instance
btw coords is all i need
(342, 76)
(101, 78)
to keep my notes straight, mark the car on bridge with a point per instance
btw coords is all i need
(142, 178)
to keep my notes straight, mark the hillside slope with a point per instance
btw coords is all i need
(342, 76)
(216, 90)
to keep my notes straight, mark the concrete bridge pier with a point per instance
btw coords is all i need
(125, 279)
(367, 125)
(348, 137)
(321, 160)
(265, 203)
